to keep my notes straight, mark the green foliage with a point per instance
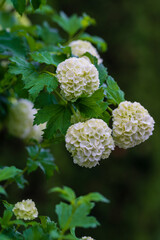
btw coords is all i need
(42, 158)
(99, 42)
(48, 58)
(92, 106)
(69, 24)
(19, 5)
(58, 118)
(114, 94)
(10, 44)
(9, 173)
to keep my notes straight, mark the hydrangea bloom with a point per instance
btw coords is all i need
(20, 118)
(89, 141)
(80, 47)
(77, 76)
(132, 124)
(25, 210)
(87, 238)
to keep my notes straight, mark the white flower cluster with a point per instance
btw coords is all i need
(132, 124)
(77, 76)
(80, 47)
(87, 238)
(20, 121)
(25, 210)
(89, 141)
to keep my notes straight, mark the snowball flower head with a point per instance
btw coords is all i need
(20, 118)
(80, 47)
(25, 210)
(132, 124)
(87, 238)
(77, 76)
(89, 141)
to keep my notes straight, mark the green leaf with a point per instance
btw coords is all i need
(58, 117)
(49, 35)
(47, 224)
(114, 94)
(7, 20)
(48, 58)
(2, 191)
(34, 232)
(93, 197)
(38, 83)
(70, 217)
(92, 106)
(8, 173)
(65, 193)
(11, 44)
(69, 24)
(42, 158)
(21, 66)
(80, 217)
(101, 44)
(36, 3)
(86, 20)
(105, 116)
(19, 5)
(64, 212)
(103, 74)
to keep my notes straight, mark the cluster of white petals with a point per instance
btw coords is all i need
(36, 132)
(20, 121)
(80, 47)
(20, 118)
(25, 210)
(87, 238)
(89, 142)
(77, 76)
(132, 124)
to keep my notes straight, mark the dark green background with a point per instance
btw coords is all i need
(130, 179)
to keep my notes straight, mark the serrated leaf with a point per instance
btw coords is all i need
(38, 83)
(49, 35)
(114, 94)
(105, 116)
(65, 193)
(19, 5)
(9, 172)
(42, 158)
(70, 217)
(47, 224)
(48, 58)
(80, 217)
(86, 21)
(92, 106)
(21, 66)
(101, 44)
(58, 118)
(11, 44)
(69, 24)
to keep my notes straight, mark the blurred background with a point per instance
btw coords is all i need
(129, 179)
